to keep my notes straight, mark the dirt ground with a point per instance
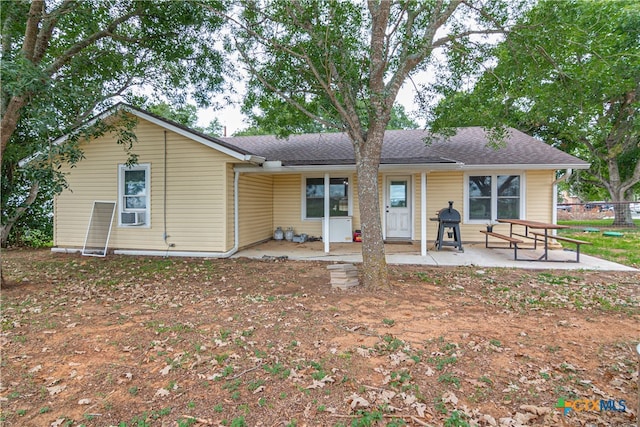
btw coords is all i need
(128, 341)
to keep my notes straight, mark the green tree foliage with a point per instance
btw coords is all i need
(186, 115)
(63, 60)
(341, 65)
(268, 124)
(570, 74)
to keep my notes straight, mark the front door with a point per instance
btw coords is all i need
(398, 207)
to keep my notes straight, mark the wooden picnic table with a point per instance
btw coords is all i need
(535, 225)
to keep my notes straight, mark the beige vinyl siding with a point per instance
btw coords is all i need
(197, 182)
(256, 208)
(442, 187)
(287, 205)
(539, 195)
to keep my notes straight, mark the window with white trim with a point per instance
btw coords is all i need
(133, 195)
(489, 197)
(313, 200)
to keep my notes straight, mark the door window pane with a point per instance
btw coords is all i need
(398, 194)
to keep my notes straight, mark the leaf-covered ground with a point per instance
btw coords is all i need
(129, 341)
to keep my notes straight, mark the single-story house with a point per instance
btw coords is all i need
(194, 195)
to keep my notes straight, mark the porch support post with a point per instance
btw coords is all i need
(325, 238)
(423, 213)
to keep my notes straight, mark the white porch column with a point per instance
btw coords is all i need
(325, 237)
(423, 213)
(554, 206)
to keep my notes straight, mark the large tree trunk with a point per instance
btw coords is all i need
(374, 264)
(8, 225)
(622, 211)
(9, 121)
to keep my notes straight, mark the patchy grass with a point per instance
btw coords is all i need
(623, 250)
(128, 341)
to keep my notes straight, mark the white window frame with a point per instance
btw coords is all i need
(304, 195)
(494, 194)
(146, 167)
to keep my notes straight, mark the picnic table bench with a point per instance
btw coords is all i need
(513, 242)
(543, 237)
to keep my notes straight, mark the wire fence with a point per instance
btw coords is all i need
(597, 210)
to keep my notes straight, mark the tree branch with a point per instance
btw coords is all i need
(73, 50)
(280, 93)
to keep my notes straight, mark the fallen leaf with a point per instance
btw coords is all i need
(450, 397)
(162, 392)
(165, 370)
(537, 410)
(56, 389)
(387, 395)
(523, 419)
(356, 401)
(363, 352)
(488, 419)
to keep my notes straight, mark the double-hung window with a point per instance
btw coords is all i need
(133, 195)
(339, 198)
(489, 197)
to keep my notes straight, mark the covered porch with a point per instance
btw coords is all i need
(410, 253)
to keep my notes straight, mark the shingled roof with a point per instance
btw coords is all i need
(469, 146)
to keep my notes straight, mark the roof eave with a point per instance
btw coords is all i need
(527, 166)
(277, 167)
(195, 137)
(166, 125)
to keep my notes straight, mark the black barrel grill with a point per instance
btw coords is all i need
(449, 221)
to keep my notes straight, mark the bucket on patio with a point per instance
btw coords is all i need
(357, 236)
(278, 234)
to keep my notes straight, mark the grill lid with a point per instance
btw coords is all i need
(449, 214)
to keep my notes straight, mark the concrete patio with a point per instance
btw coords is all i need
(475, 254)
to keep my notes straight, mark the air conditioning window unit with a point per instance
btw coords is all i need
(132, 218)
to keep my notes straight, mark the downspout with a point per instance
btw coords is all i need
(423, 213)
(236, 218)
(554, 211)
(165, 236)
(236, 214)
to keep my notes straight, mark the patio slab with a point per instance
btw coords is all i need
(475, 254)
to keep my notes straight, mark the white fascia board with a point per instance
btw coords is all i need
(525, 167)
(190, 135)
(275, 167)
(419, 167)
(239, 156)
